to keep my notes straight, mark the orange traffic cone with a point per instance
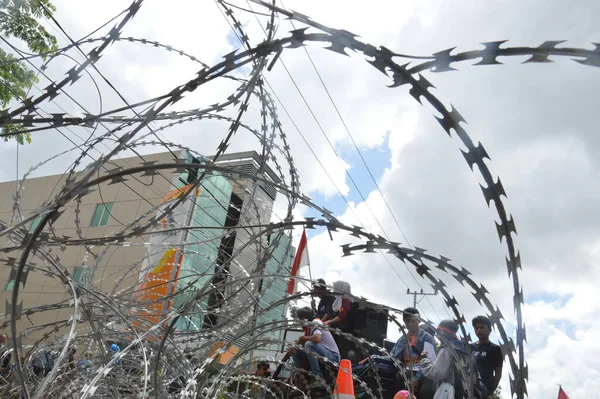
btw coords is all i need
(344, 387)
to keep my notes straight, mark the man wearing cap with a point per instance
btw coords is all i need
(316, 341)
(487, 354)
(324, 310)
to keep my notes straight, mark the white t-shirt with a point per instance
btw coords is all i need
(326, 338)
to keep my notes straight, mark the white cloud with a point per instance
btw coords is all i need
(536, 122)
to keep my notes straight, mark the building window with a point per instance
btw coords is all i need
(10, 283)
(81, 275)
(101, 215)
(35, 222)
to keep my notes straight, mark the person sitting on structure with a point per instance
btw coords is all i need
(409, 349)
(342, 306)
(316, 341)
(419, 341)
(324, 310)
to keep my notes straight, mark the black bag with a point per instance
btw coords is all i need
(479, 389)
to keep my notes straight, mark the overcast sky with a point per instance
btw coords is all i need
(538, 123)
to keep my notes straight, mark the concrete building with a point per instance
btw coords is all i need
(129, 271)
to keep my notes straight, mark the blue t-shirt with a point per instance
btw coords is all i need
(423, 342)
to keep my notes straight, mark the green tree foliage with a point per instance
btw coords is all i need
(20, 19)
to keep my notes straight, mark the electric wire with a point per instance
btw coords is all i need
(339, 158)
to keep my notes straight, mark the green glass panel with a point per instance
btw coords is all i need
(77, 273)
(80, 274)
(97, 215)
(10, 284)
(35, 222)
(198, 266)
(279, 263)
(196, 323)
(106, 214)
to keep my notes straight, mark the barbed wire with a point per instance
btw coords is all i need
(224, 285)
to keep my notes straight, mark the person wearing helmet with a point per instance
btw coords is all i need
(404, 394)
(316, 341)
(115, 349)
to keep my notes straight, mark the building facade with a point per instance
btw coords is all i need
(159, 270)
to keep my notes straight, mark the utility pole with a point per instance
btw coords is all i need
(415, 293)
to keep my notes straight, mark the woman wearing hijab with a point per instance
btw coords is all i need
(342, 305)
(342, 318)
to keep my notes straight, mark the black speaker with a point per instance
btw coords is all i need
(371, 323)
(364, 321)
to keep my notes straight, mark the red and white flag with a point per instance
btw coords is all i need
(562, 394)
(300, 261)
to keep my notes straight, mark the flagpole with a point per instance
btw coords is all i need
(309, 271)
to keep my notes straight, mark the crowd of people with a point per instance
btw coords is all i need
(43, 360)
(426, 362)
(438, 367)
(434, 362)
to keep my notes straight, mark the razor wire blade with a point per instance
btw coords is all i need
(155, 353)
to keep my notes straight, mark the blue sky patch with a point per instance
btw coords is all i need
(236, 44)
(548, 298)
(377, 159)
(567, 327)
(233, 40)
